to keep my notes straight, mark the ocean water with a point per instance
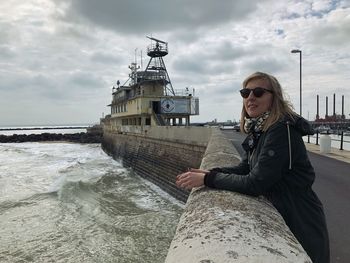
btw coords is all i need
(66, 202)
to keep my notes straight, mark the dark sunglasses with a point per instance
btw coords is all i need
(258, 92)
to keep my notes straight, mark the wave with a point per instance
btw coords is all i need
(27, 201)
(73, 186)
(11, 149)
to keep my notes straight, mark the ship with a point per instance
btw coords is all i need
(148, 99)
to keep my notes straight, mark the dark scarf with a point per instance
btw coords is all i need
(254, 128)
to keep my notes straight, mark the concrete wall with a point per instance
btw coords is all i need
(222, 226)
(156, 158)
(181, 134)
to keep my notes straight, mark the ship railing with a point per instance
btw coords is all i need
(183, 92)
(119, 99)
(161, 48)
(151, 75)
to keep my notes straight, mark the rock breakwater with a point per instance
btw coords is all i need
(81, 137)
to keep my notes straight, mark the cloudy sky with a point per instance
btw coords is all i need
(60, 58)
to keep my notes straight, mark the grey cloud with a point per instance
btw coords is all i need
(14, 81)
(203, 67)
(335, 35)
(107, 58)
(225, 51)
(55, 87)
(222, 91)
(265, 64)
(190, 65)
(85, 80)
(141, 16)
(7, 52)
(211, 59)
(74, 32)
(184, 36)
(219, 93)
(9, 33)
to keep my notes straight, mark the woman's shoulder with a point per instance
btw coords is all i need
(294, 123)
(279, 125)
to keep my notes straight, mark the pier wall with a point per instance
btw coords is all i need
(221, 226)
(216, 226)
(158, 153)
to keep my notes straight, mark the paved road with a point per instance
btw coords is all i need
(332, 185)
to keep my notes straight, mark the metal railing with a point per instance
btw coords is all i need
(342, 140)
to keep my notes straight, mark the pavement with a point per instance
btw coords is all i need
(341, 155)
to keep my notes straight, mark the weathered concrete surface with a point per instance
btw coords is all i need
(222, 226)
(182, 134)
(159, 161)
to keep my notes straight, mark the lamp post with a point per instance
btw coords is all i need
(299, 51)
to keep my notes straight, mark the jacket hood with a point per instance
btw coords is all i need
(300, 124)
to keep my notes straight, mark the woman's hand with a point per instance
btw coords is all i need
(190, 179)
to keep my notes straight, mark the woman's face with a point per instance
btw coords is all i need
(256, 106)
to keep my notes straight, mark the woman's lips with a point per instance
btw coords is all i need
(252, 106)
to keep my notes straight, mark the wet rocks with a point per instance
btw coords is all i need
(81, 137)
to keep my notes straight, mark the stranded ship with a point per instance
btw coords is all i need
(148, 99)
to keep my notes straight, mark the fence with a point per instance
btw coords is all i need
(341, 141)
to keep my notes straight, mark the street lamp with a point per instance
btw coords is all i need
(299, 51)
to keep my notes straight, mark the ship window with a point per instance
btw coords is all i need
(148, 121)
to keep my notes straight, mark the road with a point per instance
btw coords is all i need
(332, 185)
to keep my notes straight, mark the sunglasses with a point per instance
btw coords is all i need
(258, 92)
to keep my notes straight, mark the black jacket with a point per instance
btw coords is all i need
(278, 167)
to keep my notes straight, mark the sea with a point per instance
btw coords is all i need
(70, 202)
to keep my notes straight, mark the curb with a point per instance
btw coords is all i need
(340, 155)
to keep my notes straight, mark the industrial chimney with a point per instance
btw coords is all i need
(318, 108)
(334, 105)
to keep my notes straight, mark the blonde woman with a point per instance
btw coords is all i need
(275, 165)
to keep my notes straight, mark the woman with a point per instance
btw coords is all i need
(275, 165)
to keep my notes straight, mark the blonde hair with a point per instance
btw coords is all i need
(280, 106)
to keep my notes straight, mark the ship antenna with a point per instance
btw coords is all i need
(156, 65)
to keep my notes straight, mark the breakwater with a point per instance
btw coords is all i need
(81, 137)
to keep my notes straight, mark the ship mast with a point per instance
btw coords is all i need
(156, 66)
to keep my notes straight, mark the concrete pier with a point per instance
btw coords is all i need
(222, 226)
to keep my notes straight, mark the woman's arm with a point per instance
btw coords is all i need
(242, 168)
(267, 171)
(195, 177)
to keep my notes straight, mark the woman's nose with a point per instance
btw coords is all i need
(251, 96)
